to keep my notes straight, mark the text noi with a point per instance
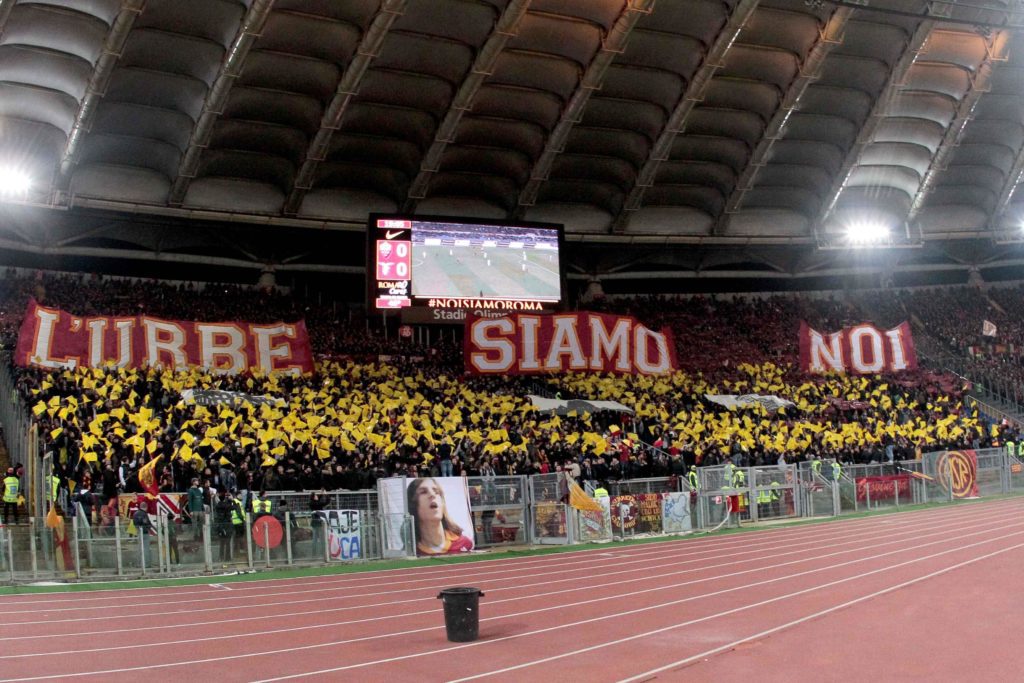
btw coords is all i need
(579, 342)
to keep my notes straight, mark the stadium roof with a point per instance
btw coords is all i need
(672, 137)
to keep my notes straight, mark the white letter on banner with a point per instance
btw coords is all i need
(266, 351)
(506, 350)
(528, 325)
(643, 364)
(826, 357)
(97, 335)
(609, 346)
(43, 342)
(565, 340)
(155, 345)
(899, 359)
(210, 352)
(857, 361)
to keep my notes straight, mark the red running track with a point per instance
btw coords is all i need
(911, 595)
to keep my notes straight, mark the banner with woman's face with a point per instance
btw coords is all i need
(440, 514)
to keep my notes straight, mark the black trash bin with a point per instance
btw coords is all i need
(461, 613)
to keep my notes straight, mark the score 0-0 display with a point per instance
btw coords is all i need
(392, 240)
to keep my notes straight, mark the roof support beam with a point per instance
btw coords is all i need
(98, 82)
(892, 85)
(5, 12)
(995, 49)
(829, 36)
(1012, 180)
(614, 43)
(217, 96)
(174, 257)
(676, 122)
(348, 88)
(506, 27)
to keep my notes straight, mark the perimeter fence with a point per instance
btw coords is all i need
(357, 526)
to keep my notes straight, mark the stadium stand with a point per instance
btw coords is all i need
(361, 418)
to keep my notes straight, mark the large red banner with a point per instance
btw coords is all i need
(862, 349)
(883, 487)
(524, 344)
(52, 338)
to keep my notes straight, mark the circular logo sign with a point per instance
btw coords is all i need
(957, 472)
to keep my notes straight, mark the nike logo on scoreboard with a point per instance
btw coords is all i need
(392, 235)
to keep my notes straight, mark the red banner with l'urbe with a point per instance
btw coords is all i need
(862, 349)
(52, 338)
(524, 344)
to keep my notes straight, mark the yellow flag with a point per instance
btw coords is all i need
(268, 461)
(52, 520)
(579, 499)
(39, 408)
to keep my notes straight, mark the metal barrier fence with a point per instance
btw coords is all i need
(500, 510)
(80, 549)
(505, 511)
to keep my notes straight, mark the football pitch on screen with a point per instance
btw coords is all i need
(472, 271)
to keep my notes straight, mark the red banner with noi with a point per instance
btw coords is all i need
(861, 349)
(52, 338)
(883, 487)
(566, 342)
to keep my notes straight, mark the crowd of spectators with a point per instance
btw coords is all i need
(361, 418)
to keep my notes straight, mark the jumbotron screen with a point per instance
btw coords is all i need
(441, 262)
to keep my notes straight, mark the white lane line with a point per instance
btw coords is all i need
(571, 568)
(303, 648)
(959, 515)
(821, 613)
(387, 575)
(848, 539)
(762, 603)
(716, 577)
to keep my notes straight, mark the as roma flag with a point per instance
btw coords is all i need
(147, 476)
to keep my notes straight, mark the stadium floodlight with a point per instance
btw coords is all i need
(867, 233)
(14, 182)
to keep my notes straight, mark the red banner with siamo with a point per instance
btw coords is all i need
(862, 349)
(566, 342)
(52, 338)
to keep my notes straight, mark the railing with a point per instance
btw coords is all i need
(505, 511)
(81, 548)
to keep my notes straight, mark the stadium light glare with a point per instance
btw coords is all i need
(14, 182)
(867, 233)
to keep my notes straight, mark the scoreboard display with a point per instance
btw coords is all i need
(391, 245)
(438, 262)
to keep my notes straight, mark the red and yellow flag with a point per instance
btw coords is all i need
(147, 476)
(579, 499)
